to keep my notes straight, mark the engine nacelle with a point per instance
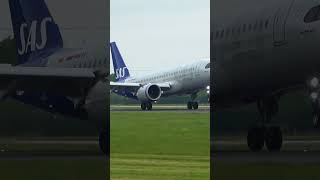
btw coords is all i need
(149, 92)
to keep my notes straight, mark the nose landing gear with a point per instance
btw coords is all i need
(315, 109)
(314, 86)
(269, 136)
(193, 104)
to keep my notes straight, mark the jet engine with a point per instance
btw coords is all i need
(149, 92)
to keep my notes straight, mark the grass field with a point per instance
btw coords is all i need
(170, 145)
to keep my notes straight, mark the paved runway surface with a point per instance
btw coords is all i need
(161, 108)
(50, 149)
(293, 151)
(266, 157)
(51, 156)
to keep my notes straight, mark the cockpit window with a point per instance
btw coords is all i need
(208, 66)
(313, 15)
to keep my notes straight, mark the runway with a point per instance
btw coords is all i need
(160, 108)
(266, 157)
(50, 149)
(293, 151)
(52, 156)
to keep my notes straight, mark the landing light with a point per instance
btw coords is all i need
(314, 96)
(314, 83)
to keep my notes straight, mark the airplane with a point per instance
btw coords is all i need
(187, 79)
(261, 54)
(70, 82)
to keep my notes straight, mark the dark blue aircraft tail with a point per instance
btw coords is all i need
(35, 31)
(120, 69)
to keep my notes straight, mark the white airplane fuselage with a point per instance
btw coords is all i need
(263, 52)
(185, 79)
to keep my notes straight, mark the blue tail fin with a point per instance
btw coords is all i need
(36, 33)
(120, 69)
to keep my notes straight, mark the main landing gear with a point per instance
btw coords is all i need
(271, 136)
(193, 104)
(146, 106)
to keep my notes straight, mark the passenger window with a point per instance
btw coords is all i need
(266, 24)
(222, 33)
(217, 34)
(312, 15)
(244, 28)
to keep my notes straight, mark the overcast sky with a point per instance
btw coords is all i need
(155, 35)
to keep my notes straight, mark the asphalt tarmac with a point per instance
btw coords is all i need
(160, 108)
(293, 151)
(42, 149)
(17, 156)
(266, 157)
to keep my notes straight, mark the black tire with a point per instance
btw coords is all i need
(104, 143)
(273, 139)
(255, 139)
(195, 105)
(189, 105)
(149, 106)
(143, 106)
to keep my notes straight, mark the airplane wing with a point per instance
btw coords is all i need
(135, 86)
(69, 81)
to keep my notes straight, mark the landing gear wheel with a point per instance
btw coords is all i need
(195, 105)
(255, 139)
(143, 106)
(104, 142)
(189, 105)
(149, 106)
(273, 138)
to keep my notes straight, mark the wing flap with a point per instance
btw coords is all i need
(67, 81)
(20, 71)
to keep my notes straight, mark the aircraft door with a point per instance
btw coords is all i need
(280, 22)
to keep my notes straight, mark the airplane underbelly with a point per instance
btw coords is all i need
(280, 69)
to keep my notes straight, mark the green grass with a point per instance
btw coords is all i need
(266, 171)
(167, 145)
